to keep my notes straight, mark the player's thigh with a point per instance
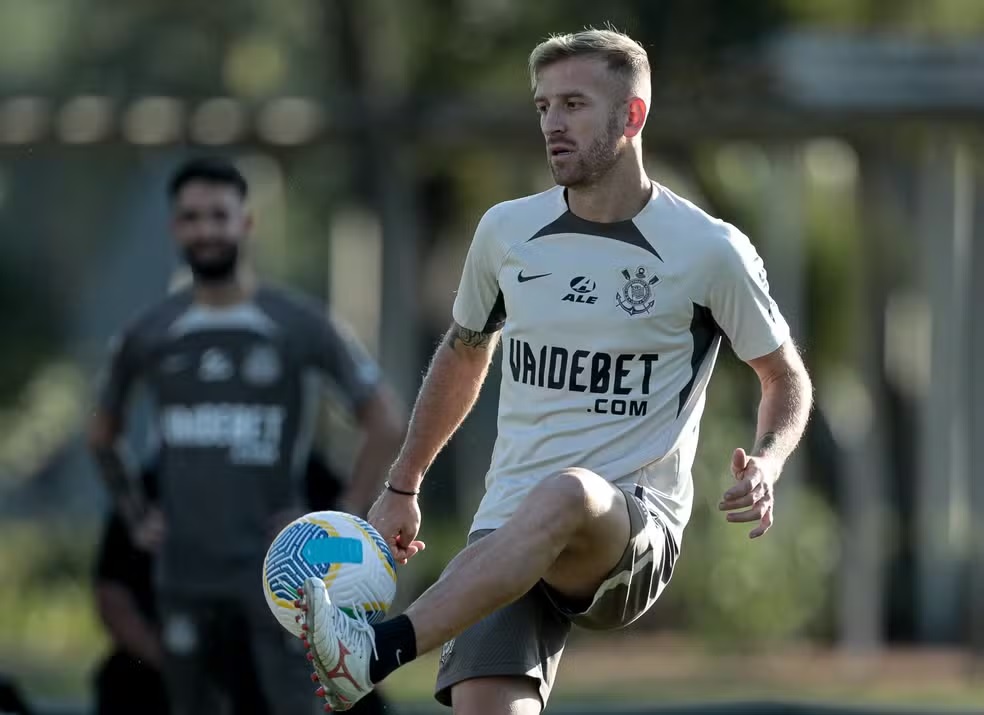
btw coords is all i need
(598, 545)
(188, 675)
(124, 685)
(233, 650)
(283, 672)
(637, 580)
(510, 695)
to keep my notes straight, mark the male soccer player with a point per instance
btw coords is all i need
(129, 679)
(611, 295)
(232, 366)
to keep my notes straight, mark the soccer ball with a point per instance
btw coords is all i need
(347, 552)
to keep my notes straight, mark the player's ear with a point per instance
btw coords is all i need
(636, 118)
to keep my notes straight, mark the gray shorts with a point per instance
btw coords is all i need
(527, 637)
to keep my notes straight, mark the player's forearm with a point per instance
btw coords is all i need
(449, 392)
(783, 414)
(117, 467)
(126, 625)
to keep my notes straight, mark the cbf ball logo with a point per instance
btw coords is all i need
(636, 295)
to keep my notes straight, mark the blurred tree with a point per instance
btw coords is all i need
(263, 47)
(408, 55)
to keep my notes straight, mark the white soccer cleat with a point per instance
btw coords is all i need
(339, 646)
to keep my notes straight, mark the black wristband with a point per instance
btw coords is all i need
(400, 491)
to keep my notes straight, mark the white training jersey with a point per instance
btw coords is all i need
(610, 334)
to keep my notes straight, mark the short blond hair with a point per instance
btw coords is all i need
(623, 55)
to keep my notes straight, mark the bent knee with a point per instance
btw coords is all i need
(576, 490)
(510, 695)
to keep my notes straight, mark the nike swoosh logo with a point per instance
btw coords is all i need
(398, 651)
(523, 279)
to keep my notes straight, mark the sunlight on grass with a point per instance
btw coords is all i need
(51, 637)
(640, 668)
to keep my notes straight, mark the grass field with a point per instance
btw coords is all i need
(655, 669)
(634, 671)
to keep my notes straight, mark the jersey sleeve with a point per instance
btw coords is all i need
(346, 361)
(478, 304)
(120, 373)
(740, 302)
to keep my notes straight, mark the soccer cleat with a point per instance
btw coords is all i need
(340, 647)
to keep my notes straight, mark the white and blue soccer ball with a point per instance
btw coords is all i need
(346, 552)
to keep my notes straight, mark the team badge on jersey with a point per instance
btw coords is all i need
(636, 295)
(261, 365)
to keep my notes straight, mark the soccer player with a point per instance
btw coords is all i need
(611, 296)
(231, 366)
(129, 679)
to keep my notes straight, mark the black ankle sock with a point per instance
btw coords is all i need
(396, 645)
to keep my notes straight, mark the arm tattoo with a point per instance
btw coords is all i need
(468, 338)
(765, 442)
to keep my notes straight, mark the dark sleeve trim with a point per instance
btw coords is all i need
(497, 316)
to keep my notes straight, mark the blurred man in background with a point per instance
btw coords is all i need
(232, 368)
(130, 679)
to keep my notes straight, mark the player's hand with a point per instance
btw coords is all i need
(397, 519)
(756, 478)
(150, 530)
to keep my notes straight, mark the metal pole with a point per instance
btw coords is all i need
(942, 489)
(976, 377)
(862, 481)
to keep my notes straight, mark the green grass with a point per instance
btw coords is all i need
(50, 637)
(636, 678)
(605, 678)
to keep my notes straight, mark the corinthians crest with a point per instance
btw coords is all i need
(636, 295)
(261, 365)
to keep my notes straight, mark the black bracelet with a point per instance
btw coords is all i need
(400, 491)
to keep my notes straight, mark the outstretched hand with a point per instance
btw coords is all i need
(756, 478)
(397, 519)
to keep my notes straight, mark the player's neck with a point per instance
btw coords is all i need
(237, 289)
(619, 196)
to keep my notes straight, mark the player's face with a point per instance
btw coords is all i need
(210, 224)
(582, 118)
